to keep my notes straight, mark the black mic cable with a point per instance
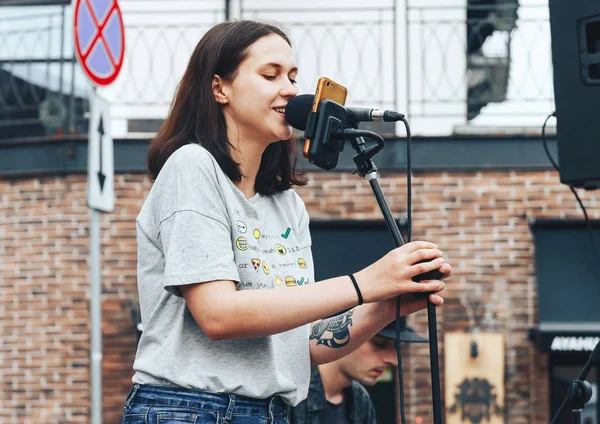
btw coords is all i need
(579, 201)
(347, 132)
(297, 112)
(408, 238)
(351, 132)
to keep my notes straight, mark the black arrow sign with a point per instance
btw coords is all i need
(101, 176)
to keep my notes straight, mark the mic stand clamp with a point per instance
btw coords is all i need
(579, 392)
(364, 164)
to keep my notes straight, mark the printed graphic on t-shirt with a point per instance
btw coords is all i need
(268, 251)
(241, 243)
(302, 281)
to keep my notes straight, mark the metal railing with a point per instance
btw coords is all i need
(41, 88)
(354, 45)
(158, 46)
(451, 69)
(350, 50)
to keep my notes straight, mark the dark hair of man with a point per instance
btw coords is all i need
(196, 117)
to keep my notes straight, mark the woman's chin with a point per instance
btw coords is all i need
(284, 135)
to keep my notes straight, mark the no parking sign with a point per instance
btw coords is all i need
(99, 39)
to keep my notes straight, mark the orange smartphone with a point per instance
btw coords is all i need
(326, 89)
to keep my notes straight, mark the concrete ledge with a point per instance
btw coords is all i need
(68, 155)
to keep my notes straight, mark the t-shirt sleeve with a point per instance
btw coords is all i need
(197, 249)
(194, 228)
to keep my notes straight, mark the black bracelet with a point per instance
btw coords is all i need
(360, 298)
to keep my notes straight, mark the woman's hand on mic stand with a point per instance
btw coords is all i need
(412, 302)
(392, 276)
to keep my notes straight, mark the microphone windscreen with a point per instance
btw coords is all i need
(298, 109)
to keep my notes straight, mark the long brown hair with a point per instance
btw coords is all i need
(196, 117)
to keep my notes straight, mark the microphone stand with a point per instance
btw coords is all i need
(367, 169)
(580, 391)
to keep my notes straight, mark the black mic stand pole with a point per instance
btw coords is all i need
(580, 391)
(367, 169)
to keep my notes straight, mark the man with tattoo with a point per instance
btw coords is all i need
(336, 394)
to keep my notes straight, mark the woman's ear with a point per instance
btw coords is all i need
(217, 87)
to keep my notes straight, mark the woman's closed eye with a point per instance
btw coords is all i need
(273, 77)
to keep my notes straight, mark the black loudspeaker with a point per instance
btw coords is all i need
(575, 34)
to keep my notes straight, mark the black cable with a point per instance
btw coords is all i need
(587, 221)
(408, 182)
(369, 134)
(546, 144)
(352, 132)
(399, 367)
(554, 164)
(408, 238)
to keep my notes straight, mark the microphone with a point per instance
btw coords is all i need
(299, 107)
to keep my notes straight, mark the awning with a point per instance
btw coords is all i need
(566, 337)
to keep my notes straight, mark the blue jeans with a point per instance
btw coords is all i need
(172, 405)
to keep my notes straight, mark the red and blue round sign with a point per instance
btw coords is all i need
(99, 37)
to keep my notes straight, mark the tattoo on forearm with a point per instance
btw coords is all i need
(337, 326)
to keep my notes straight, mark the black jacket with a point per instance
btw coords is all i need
(362, 410)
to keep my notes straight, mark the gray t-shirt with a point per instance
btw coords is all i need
(196, 226)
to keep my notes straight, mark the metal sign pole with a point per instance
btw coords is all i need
(101, 198)
(96, 317)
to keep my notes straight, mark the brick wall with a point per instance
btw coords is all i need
(44, 281)
(480, 220)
